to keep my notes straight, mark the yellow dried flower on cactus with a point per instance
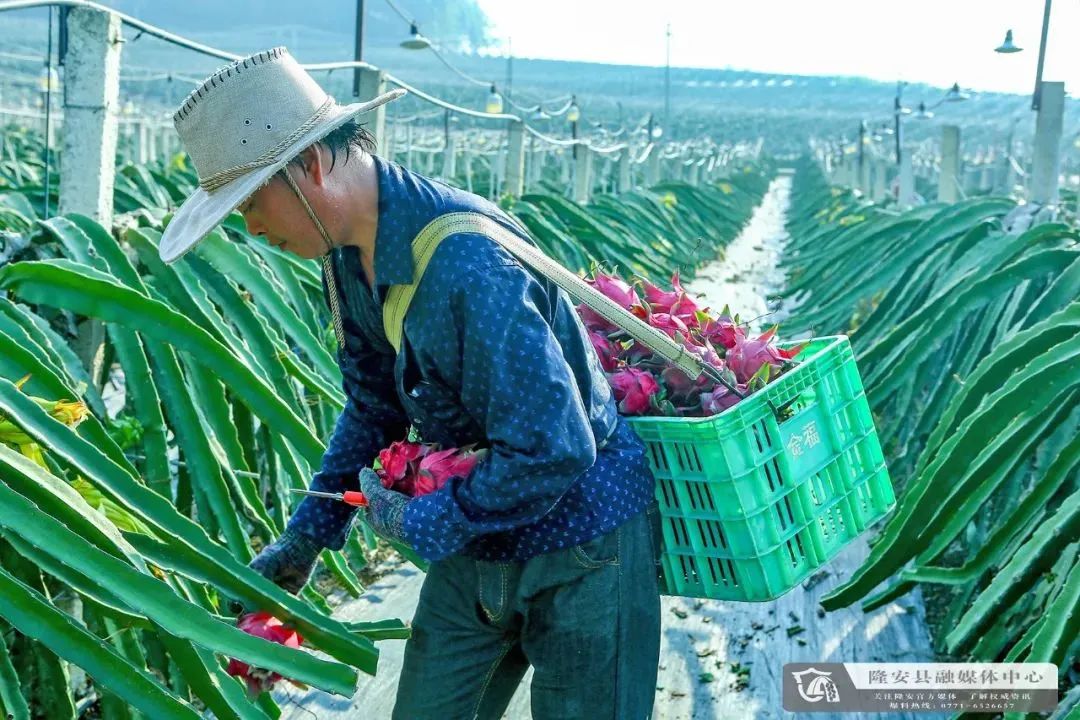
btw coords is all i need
(69, 412)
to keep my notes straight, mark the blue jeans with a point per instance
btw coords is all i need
(587, 618)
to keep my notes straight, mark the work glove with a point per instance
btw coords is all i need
(287, 562)
(385, 511)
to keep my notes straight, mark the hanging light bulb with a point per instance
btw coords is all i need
(494, 102)
(923, 113)
(955, 94)
(1007, 47)
(539, 114)
(49, 80)
(415, 41)
(573, 113)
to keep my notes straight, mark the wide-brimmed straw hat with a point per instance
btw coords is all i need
(239, 128)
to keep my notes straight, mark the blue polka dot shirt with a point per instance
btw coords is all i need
(493, 354)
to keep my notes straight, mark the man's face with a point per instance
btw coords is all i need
(275, 213)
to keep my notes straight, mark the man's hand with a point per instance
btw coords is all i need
(287, 562)
(385, 511)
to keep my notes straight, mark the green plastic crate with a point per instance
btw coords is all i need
(750, 505)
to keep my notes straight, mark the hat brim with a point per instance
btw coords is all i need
(203, 211)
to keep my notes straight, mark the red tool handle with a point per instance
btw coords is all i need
(354, 497)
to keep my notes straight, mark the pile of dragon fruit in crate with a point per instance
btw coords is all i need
(646, 384)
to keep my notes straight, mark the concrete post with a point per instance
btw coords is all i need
(986, 178)
(449, 165)
(583, 173)
(373, 84)
(865, 174)
(723, 168)
(142, 155)
(386, 147)
(498, 171)
(93, 90)
(1011, 175)
(152, 143)
(624, 171)
(950, 164)
(693, 174)
(879, 186)
(87, 173)
(652, 167)
(564, 166)
(906, 196)
(537, 159)
(515, 160)
(468, 158)
(409, 154)
(1046, 161)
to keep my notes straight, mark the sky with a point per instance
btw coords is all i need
(933, 41)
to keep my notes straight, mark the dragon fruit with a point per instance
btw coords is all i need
(616, 289)
(633, 389)
(420, 468)
(645, 384)
(605, 350)
(267, 627)
(748, 356)
(439, 466)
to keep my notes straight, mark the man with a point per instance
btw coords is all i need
(544, 555)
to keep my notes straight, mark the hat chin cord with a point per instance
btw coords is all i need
(307, 207)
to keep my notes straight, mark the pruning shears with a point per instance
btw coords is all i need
(349, 497)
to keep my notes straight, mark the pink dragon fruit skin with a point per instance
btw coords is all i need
(720, 399)
(438, 467)
(605, 350)
(723, 332)
(633, 389)
(594, 321)
(670, 324)
(267, 627)
(747, 357)
(659, 300)
(616, 289)
(397, 462)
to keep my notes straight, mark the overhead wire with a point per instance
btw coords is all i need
(202, 48)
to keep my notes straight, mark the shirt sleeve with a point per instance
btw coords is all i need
(517, 384)
(371, 419)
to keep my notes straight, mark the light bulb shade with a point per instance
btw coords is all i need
(573, 113)
(49, 80)
(494, 102)
(415, 41)
(657, 131)
(1007, 47)
(955, 94)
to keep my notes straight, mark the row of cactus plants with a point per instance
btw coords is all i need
(123, 532)
(966, 326)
